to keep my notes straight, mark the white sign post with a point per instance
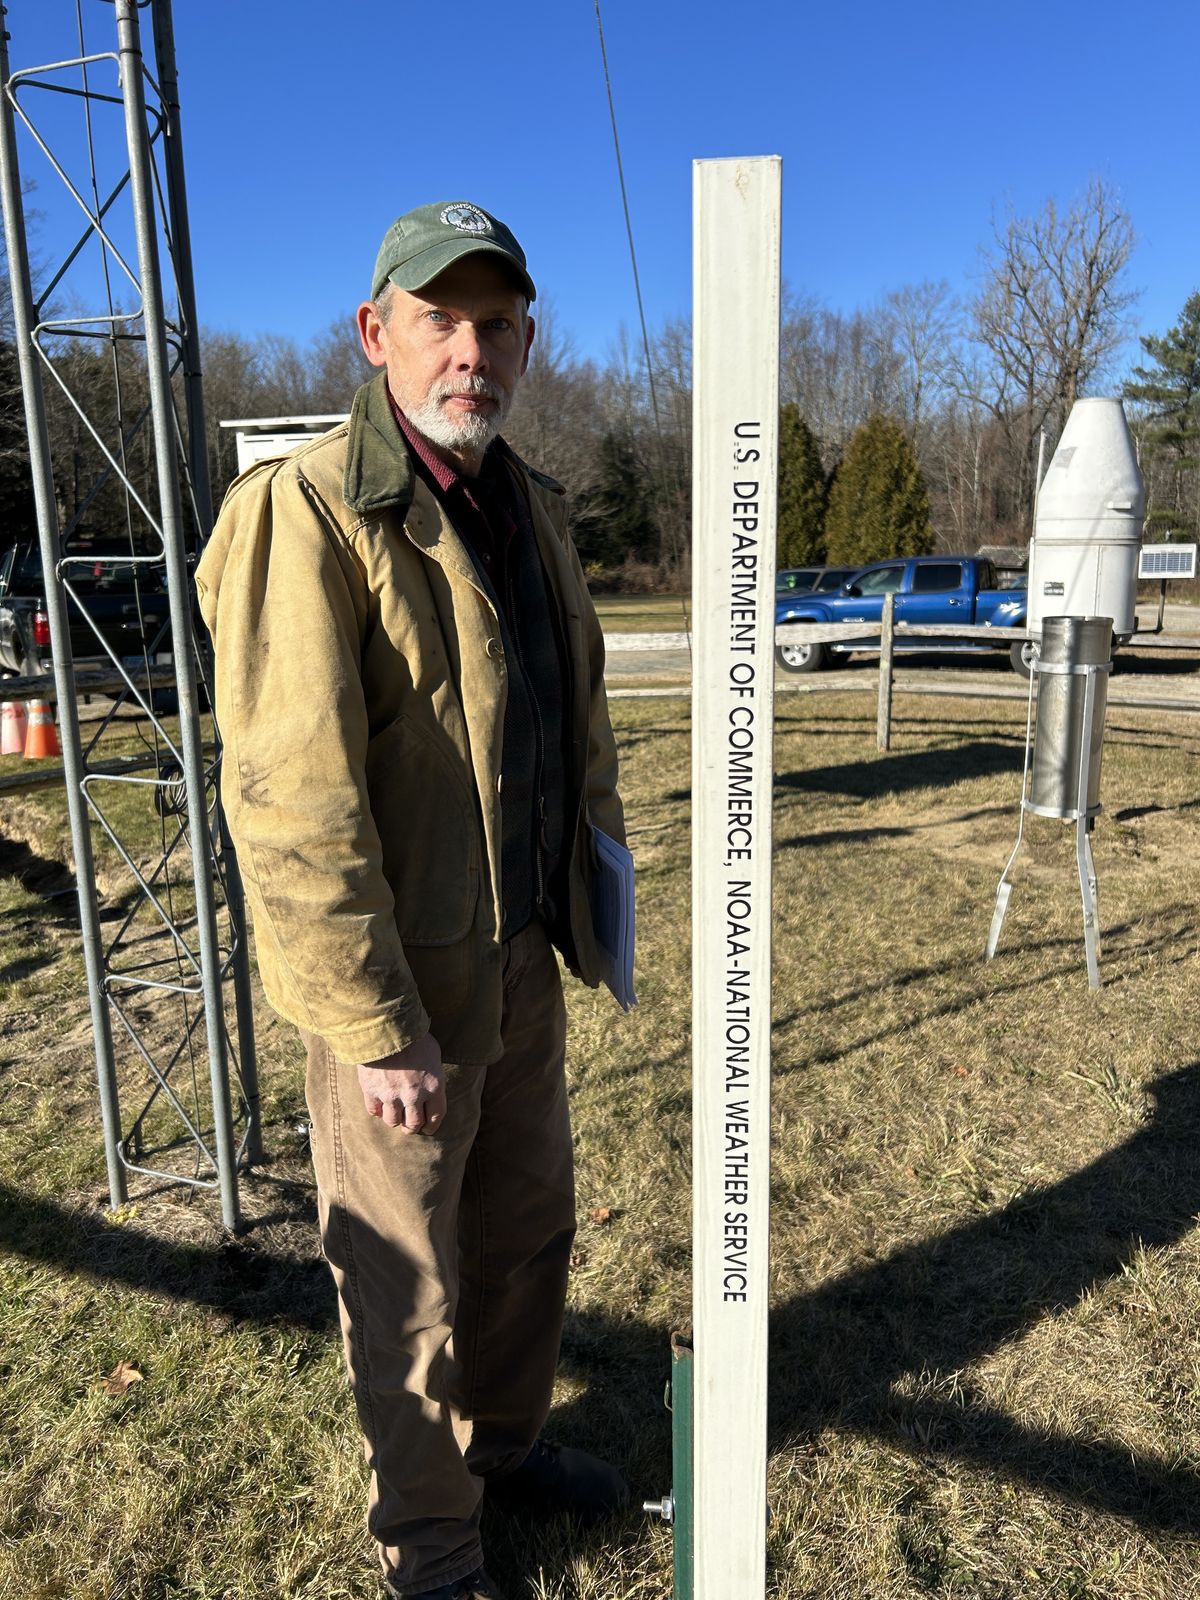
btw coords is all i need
(736, 221)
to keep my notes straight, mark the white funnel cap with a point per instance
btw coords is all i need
(1094, 471)
(1083, 562)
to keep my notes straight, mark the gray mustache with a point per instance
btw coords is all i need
(483, 387)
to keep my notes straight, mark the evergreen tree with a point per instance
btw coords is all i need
(614, 520)
(878, 505)
(1169, 424)
(801, 538)
(18, 517)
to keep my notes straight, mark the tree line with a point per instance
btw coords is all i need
(911, 425)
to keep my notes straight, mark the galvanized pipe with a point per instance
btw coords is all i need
(168, 88)
(178, 593)
(60, 633)
(197, 442)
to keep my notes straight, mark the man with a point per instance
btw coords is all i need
(409, 684)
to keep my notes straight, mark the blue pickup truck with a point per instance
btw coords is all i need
(929, 590)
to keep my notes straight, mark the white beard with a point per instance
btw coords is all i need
(472, 431)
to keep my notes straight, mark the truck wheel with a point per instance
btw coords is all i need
(800, 657)
(1021, 655)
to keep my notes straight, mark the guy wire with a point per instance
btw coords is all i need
(637, 284)
(637, 287)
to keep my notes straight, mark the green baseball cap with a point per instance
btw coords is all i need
(424, 242)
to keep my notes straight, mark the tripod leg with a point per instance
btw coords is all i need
(1003, 895)
(1090, 862)
(1087, 888)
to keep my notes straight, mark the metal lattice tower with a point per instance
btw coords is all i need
(108, 342)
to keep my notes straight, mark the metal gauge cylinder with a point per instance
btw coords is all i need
(1072, 694)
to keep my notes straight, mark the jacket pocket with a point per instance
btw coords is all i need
(425, 813)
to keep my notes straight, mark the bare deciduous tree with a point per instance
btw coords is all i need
(1050, 313)
(970, 385)
(556, 421)
(921, 323)
(839, 370)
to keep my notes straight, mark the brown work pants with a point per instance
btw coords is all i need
(450, 1254)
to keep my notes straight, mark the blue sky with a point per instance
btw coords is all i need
(308, 127)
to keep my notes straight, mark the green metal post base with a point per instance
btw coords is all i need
(676, 1507)
(681, 1462)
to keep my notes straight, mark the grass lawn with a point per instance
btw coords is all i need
(985, 1370)
(644, 613)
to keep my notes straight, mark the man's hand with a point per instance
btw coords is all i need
(407, 1090)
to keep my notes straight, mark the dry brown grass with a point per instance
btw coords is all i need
(643, 613)
(985, 1364)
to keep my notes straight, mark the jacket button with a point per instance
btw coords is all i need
(495, 649)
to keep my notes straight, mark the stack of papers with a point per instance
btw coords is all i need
(612, 917)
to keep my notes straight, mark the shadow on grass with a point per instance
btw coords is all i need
(1155, 663)
(41, 875)
(1069, 947)
(835, 836)
(844, 1354)
(929, 1309)
(54, 885)
(1178, 939)
(244, 1283)
(876, 775)
(1132, 813)
(919, 769)
(996, 980)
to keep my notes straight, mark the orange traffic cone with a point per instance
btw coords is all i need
(12, 728)
(41, 737)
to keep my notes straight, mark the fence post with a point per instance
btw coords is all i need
(883, 722)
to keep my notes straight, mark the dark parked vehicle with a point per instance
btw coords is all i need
(953, 591)
(812, 580)
(125, 602)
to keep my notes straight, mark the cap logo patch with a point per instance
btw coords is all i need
(466, 218)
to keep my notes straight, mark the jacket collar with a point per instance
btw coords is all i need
(379, 471)
(379, 476)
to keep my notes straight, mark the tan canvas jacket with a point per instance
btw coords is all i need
(360, 691)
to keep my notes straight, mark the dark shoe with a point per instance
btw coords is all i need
(554, 1478)
(475, 1586)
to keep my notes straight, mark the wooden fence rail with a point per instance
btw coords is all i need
(887, 628)
(1002, 638)
(102, 680)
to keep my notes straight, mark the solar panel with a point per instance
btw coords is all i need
(1167, 561)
